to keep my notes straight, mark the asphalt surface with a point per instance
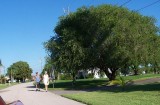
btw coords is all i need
(25, 92)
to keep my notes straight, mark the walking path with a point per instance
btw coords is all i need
(25, 92)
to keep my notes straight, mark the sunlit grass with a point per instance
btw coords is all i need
(134, 95)
(2, 86)
(92, 83)
(140, 77)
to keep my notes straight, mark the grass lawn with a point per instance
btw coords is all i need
(140, 77)
(90, 83)
(2, 86)
(148, 94)
(80, 84)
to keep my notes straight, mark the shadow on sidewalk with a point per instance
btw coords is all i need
(36, 91)
(30, 87)
(1, 91)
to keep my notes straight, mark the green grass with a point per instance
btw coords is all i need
(90, 83)
(2, 86)
(148, 94)
(140, 77)
(80, 84)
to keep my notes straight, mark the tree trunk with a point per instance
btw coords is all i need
(112, 75)
(154, 69)
(58, 77)
(74, 79)
(135, 72)
(135, 69)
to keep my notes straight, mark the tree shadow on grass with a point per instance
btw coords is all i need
(101, 86)
(80, 84)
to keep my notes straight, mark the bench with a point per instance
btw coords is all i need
(18, 102)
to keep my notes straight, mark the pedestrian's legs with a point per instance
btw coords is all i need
(46, 87)
(39, 86)
(36, 86)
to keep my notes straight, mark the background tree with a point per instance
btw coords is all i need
(154, 54)
(48, 66)
(19, 70)
(0, 62)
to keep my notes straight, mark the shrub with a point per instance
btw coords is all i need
(121, 81)
(2, 80)
(65, 76)
(91, 75)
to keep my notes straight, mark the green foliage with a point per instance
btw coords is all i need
(90, 75)
(0, 62)
(121, 81)
(65, 76)
(2, 79)
(20, 70)
(48, 66)
(104, 37)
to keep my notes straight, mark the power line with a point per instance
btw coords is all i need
(125, 3)
(148, 5)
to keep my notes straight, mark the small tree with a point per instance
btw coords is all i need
(19, 70)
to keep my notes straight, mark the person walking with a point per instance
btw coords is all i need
(46, 80)
(37, 80)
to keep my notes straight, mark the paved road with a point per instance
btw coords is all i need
(26, 93)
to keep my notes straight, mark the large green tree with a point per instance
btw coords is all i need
(19, 70)
(48, 66)
(106, 37)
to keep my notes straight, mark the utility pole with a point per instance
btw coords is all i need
(0, 67)
(41, 64)
(11, 74)
(66, 11)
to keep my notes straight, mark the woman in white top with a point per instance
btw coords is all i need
(46, 80)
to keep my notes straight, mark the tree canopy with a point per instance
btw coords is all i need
(105, 37)
(19, 70)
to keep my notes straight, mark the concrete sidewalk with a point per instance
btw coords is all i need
(25, 92)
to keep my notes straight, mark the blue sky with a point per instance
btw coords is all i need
(26, 24)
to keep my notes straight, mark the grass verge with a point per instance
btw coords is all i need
(148, 94)
(91, 83)
(2, 86)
